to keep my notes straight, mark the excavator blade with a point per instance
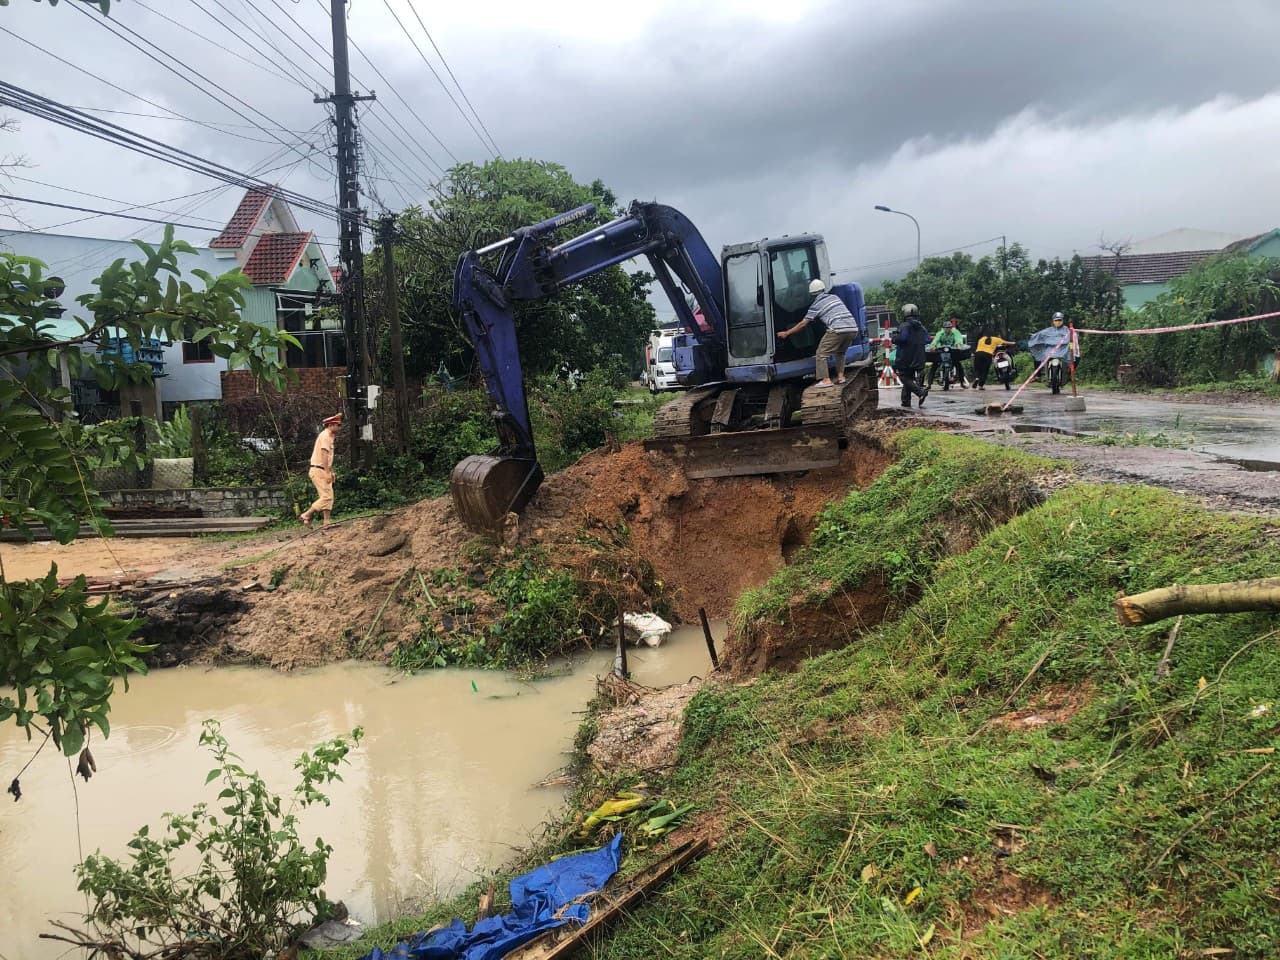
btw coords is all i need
(751, 452)
(486, 489)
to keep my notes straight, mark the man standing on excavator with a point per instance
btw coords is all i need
(842, 328)
(908, 359)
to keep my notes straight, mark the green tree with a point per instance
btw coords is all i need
(600, 322)
(1220, 288)
(60, 653)
(1005, 286)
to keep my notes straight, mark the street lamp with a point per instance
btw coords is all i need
(883, 209)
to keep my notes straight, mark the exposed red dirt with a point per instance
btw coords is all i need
(1056, 703)
(810, 629)
(360, 588)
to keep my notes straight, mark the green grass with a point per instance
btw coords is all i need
(903, 524)
(1136, 438)
(1133, 827)
(1246, 387)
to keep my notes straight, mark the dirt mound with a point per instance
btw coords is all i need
(362, 587)
(707, 539)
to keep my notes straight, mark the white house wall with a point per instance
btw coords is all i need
(80, 260)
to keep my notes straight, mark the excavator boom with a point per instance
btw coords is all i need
(747, 410)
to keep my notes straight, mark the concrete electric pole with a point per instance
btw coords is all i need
(349, 219)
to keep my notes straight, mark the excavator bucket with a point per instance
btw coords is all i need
(486, 489)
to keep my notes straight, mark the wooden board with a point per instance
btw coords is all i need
(609, 906)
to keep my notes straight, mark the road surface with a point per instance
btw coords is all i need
(1226, 454)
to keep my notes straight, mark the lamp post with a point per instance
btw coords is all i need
(902, 213)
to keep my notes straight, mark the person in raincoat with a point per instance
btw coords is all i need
(1055, 340)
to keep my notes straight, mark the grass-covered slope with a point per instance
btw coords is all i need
(870, 551)
(994, 771)
(1097, 812)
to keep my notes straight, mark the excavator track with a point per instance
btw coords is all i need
(812, 442)
(680, 418)
(828, 407)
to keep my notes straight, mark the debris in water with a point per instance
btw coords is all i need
(474, 688)
(649, 627)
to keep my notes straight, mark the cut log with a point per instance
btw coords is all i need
(1234, 597)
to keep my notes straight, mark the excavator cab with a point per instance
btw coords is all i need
(767, 291)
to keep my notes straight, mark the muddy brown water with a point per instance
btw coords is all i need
(443, 788)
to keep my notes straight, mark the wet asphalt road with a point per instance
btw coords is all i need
(1227, 455)
(1233, 431)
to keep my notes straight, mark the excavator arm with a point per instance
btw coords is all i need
(486, 488)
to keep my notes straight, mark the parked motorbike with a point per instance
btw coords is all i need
(1002, 367)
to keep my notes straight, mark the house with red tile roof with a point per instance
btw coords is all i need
(291, 278)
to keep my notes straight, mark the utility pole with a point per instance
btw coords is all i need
(1004, 287)
(349, 217)
(391, 301)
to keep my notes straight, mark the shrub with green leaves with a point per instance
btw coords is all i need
(58, 651)
(231, 880)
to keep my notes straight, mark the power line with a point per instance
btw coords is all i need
(108, 213)
(936, 253)
(40, 106)
(161, 116)
(321, 84)
(98, 196)
(456, 83)
(130, 93)
(259, 169)
(111, 28)
(390, 86)
(207, 39)
(435, 74)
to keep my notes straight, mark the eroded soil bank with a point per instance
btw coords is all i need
(624, 521)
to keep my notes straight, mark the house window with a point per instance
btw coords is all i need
(198, 351)
(318, 332)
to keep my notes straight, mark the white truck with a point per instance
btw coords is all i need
(659, 364)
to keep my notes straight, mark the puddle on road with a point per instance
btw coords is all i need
(442, 788)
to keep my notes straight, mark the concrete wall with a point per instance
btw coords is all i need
(210, 501)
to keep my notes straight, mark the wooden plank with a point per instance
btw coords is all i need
(610, 907)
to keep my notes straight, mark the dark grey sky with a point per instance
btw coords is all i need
(1051, 122)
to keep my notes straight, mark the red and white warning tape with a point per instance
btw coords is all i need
(1186, 326)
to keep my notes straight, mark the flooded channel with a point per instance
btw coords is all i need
(443, 788)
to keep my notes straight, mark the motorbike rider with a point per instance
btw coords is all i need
(1054, 340)
(986, 348)
(908, 355)
(949, 337)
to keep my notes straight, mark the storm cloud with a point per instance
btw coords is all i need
(1052, 123)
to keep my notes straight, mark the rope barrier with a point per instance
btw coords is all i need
(1188, 326)
(1049, 355)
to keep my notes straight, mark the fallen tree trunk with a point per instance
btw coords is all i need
(1234, 597)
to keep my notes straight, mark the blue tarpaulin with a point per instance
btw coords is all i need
(539, 901)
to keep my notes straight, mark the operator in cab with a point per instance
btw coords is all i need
(841, 326)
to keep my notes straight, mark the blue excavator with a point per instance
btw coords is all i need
(750, 405)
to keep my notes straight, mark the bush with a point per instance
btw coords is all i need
(573, 416)
(253, 886)
(172, 438)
